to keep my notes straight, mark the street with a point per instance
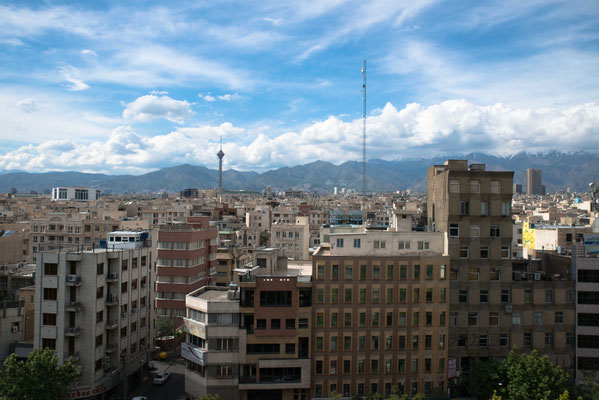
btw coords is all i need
(171, 389)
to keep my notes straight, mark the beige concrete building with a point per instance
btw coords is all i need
(95, 308)
(493, 309)
(380, 313)
(293, 237)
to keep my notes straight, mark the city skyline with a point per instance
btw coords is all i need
(120, 89)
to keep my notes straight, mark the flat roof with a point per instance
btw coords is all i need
(214, 295)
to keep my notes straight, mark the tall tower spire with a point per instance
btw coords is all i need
(220, 156)
(364, 128)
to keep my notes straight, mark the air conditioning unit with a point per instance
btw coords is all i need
(15, 328)
(509, 308)
(71, 278)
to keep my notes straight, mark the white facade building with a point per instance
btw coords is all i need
(75, 193)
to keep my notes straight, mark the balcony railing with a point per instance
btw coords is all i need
(72, 331)
(73, 306)
(112, 325)
(112, 299)
(112, 277)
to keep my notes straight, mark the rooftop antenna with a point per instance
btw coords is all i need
(364, 128)
(220, 156)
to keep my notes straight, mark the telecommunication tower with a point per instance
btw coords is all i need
(364, 129)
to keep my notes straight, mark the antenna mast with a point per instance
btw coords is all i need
(364, 129)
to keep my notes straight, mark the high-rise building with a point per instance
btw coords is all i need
(380, 313)
(185, 262)
(251, 340)
(534, 182)
(491, 308)
(94, 308)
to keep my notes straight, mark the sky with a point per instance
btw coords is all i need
(133, 86)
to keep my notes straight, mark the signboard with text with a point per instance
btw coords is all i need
(452, 368)
(192, 354)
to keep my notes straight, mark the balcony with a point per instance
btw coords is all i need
(74, 357)
(73, 306)
(112, 325)
(72, 331)
(112, 300)
(112, 277)
(111, 348)
(73, 280)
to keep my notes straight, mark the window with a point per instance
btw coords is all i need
(464, 252)
(505, 296)
(362, 272)
(493, 318)
(334, 272)
(49, 319)
(527, 339)
(415, 342)
(429, 272)
(100, 292)
(124, 287)
(495, 231)
(484, 296)
(362, 320)
(474, 187)
(538, 318)
(463, 340)
(347, 367)
(506, 208)
(50, 294)
(548, 296)
(339, 242)
(483, 341)
(484, 252)
(401, 344)
(504, 340)
(376, 272)
(474, 231)
(495, 187)
(375, 295)
(334, 295)
(375, 319)
(505, 252)
(463, 296)
(374, 366)
(99, 316)
(484, 208)
(402, 295)
(389, 297)
(379, 244)
(348, 296)
(416, 272)
(388, 342)
(275, 298)
(473, 318)
(442, 318)
(319, 343)
(428, 295)
(402, 318)
(464, 208)
(454, 186)
(275, 323)
(348, 272)
(416, 295)
(362, 298)
(357, 243)
(50, 269)
(401, 365)
(403, 245)
(319, 320)
(428, 342)
(347, 343)
(549, 338)
(347, 320)
(320, 272)
(473, 273)
(454, 230)
(528, 296)
(423, 245)
(442, 271)
(389, 271)
(334, 317)
(517, 318)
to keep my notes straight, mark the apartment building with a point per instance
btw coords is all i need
(75, 193)
(586, 265)
(492, 309)
(56, 229)
(534, 181)
(12, 325)
(293, 237)
(275, 300)
(215, 344)
(95, 308)
(227, 260)
(380, 313)
(186, 261)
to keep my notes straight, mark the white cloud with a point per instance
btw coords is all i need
(27, 105)
(87, 52)
(71, 75)
(207, 97)
(229, 97)
(149, 107)
(450, 127)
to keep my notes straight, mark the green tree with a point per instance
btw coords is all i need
(419, 396)
(334, 395)
(163, 327)
(589, 390)
(482, 378)
(395, 394)
(37, 378)
(210, 396)
(531, 377)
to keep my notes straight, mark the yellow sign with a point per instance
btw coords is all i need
(528, 236)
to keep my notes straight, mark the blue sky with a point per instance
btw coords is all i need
(131, 86)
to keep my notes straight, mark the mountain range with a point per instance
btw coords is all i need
(560, 170)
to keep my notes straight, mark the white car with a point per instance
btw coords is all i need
(161, 378)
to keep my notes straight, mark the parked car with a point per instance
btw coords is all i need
(140, 398)
(161, 378)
